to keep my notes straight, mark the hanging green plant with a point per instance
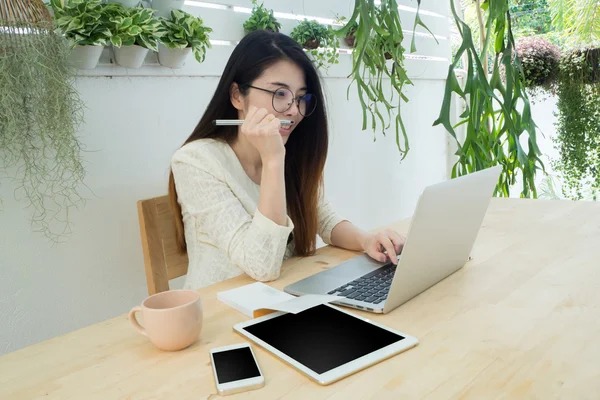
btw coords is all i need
(495, 128)
(378, 55)
(348, 32)
(578, 124)
(350, 36)
(39, 115)
(261, 19)
(539, 59)
(320, 40)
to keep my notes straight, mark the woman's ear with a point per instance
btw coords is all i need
(236, 96)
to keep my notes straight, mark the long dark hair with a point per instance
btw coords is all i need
(306, 147)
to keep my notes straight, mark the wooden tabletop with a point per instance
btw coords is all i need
(521, 320)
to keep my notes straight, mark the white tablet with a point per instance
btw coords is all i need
(325, 342)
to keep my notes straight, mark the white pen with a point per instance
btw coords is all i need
(226, 122)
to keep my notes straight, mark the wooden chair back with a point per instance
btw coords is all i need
(162, 260)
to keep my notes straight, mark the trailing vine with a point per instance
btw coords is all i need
(39, 115)
(376, 35)
(578, 125)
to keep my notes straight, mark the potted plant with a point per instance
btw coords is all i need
(540, 60)
(261, 19)
(179, 36)
(164, 7)
(134, 32)
(351, 33)
(312, 35)
(83, 23)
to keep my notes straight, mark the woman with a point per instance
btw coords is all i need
(247, 197)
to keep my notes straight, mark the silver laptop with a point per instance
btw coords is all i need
(439, 241)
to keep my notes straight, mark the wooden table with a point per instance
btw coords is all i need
(521, 320)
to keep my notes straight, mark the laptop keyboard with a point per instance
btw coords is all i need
(371, 288)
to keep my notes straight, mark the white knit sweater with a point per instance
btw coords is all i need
(225, 233)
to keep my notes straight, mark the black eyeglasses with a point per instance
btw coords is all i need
(283, 99)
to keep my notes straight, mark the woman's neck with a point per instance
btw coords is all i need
(249, 158)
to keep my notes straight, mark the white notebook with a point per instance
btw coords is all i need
(257, 299)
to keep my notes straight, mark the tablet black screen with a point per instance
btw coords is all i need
(322, 338)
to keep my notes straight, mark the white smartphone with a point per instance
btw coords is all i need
(236, 369)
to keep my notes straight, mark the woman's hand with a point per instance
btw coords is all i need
(387, 240)
(262, 131)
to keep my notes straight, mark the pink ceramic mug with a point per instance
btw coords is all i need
(172, 319)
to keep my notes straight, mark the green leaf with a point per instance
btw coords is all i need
(419, 22)
(75, 24)
(147, 42)
(116, 41)
(178, 14)
(452, 85)
(135, 30)
(126, 23)
(128, 40)
(104, 32)
(198, 55)
(63, 21)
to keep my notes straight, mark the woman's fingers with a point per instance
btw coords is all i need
(259, 122)
(262, 131)
(398, 240)
(387, 244)
(274, 125)
(258, 116)
(386, 241)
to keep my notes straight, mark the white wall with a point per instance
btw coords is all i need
(542, 112)
(132, 127)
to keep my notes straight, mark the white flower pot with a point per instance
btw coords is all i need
(130, 56)
(163, 7)
(126, 3)
(172, 58)
(85, 57)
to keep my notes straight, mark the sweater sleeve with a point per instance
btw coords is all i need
(328, 218)
(253, 243)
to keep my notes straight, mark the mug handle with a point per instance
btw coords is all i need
(135, 322)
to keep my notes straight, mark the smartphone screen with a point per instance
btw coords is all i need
(235, 365)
